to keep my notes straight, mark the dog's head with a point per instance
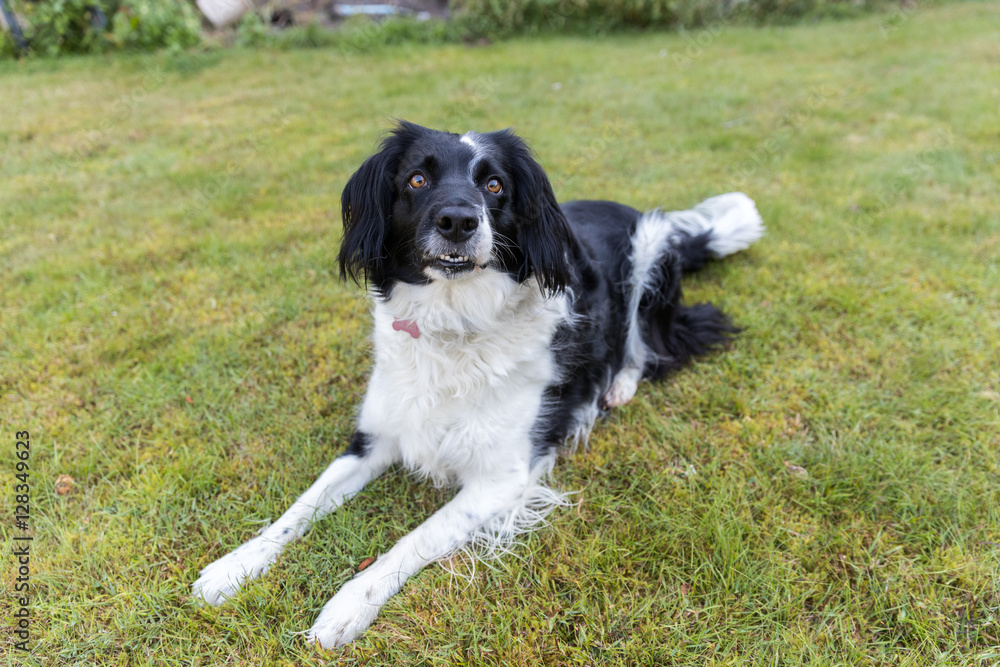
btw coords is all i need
(433, 205)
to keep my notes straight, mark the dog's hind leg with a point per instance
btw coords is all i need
(655, 274)
(358, 602)
(662, 335)
(347, 475)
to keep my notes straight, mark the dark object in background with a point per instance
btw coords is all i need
(282, 18)
(71, 26)
(97, 19)
(10, 22)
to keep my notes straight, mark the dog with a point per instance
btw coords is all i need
(505, 325)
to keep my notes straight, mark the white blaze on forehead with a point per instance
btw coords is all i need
(469, 139)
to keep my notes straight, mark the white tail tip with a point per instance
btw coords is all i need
(734, 222)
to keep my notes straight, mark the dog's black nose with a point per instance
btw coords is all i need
(457, 223)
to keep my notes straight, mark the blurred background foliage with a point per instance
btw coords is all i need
(58, 27)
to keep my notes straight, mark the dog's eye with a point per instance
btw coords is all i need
(417, 180)
(494, 186)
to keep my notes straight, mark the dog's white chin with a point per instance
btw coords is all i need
(435, 273)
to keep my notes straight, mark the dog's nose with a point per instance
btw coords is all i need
(457, 223)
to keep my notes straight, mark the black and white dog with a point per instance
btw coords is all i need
(504, 325)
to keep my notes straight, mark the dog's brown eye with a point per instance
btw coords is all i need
(494, 186)
(417, 180)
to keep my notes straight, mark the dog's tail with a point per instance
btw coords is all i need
(667, 334)
(713, 229)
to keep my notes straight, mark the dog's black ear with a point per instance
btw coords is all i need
(543, 234)
(366, 206)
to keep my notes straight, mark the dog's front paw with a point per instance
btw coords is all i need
(222, 579)
(622, 389)
(344, 618)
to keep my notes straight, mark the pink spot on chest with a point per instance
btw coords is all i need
(409, 326)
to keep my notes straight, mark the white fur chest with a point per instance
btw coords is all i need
(461, 397)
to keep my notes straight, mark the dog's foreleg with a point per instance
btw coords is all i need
(347, 475)
(622, 388)
(355, 606)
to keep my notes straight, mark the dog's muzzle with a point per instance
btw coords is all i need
(456, 245)
(457, 223)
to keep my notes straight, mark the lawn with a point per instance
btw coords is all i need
(174, 337)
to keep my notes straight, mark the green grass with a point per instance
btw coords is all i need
(173, 335)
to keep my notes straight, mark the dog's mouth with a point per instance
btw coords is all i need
(451, 263)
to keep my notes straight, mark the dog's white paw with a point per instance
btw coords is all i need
(622, 389)
(344, 618)
(222, 579)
